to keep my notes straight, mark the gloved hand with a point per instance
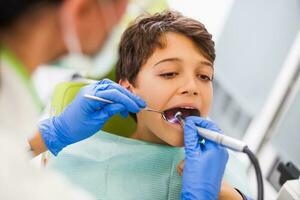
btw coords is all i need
(204, 163)
(84, 117)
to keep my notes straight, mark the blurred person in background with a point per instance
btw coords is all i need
(33, 33)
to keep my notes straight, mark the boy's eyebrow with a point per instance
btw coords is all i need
(167, 60)
(207, 63)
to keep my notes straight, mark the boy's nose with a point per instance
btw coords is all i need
(189, 87)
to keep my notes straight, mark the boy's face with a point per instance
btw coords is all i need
(175, 76)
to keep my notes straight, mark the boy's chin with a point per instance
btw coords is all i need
(175, 143)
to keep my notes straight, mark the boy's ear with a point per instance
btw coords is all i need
(125, 83)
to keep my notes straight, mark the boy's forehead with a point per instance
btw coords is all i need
(177, 48)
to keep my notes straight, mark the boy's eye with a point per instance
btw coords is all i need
(204, 77)
(169, 75)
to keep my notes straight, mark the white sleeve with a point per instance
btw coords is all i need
(19, 180)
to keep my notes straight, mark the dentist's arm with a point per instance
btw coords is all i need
(37, 144)
(204, 163)
(84, 117)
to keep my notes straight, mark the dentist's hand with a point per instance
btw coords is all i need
(204, 163)
(84, 117)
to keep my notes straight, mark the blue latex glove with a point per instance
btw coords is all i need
(204, 164)
(84, 117)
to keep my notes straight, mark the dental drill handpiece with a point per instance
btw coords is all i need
(218, 138)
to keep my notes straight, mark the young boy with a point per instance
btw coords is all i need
(167, 59)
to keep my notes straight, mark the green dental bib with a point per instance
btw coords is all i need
(114, 167)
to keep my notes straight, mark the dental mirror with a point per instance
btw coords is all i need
(168, 115)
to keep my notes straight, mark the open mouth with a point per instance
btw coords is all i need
(169, 115)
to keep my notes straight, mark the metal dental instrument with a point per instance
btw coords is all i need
(224, 140)
(108, 101)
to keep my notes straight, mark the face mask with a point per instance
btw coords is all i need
(75, 58)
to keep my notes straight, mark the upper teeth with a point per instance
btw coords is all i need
(188, 107)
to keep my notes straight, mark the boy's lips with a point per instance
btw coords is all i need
(185, 109)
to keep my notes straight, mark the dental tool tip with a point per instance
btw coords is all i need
(178, 115)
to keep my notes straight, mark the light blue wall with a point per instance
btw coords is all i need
(250, 52)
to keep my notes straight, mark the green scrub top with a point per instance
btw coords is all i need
(8, 56)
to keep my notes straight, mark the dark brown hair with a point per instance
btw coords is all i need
(12, 10)
(142, 37)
